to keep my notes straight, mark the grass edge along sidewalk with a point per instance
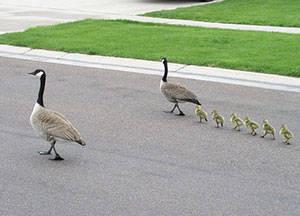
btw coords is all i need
(266, 52)
(254, 12)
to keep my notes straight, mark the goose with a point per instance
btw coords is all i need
(49, 124)
(176, 93)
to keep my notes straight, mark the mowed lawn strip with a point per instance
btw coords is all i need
(256, 12)
(244, 50)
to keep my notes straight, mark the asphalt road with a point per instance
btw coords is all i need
(139, 160)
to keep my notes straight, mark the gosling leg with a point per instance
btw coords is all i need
(273, 137)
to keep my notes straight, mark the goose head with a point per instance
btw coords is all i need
(164, 61)
(38, 73)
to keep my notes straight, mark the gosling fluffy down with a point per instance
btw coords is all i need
(268, 129)
(251, 125)
(286, 134)
(217, 118)
(236, 121)
(200, 113)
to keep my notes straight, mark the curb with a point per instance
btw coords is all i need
(220, 75)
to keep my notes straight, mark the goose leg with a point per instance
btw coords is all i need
(46, 152)
(171, 110)
(57, 156)
(180, 112)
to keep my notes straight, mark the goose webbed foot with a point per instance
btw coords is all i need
(44, 152)
(57, 158)
(171, 110)
(180, 114)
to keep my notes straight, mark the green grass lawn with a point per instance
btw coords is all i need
(257, 12)
(245, 50)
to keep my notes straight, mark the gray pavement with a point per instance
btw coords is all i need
(139, 160)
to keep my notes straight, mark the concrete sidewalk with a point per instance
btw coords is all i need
(155, 68)
(16, 17)
(20, 15)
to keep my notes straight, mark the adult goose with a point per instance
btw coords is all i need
(49, 124)
(176, 93)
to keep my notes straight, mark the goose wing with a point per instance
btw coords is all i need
(179, 92)
(57, 125)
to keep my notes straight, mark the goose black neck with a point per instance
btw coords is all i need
(166, 72)
(40, 100)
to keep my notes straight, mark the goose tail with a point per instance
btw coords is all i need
(197, 102)
(81, 142)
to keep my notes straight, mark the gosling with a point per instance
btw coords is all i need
(286, 134)
(217, 118)
(251, 125)
(268, 129)
(200, 113)
(236, 121)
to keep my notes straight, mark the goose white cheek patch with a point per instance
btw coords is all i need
(39, 74)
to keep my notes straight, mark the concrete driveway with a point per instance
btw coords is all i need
(19, 15)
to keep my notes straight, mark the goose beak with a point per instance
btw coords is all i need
(31, 73)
